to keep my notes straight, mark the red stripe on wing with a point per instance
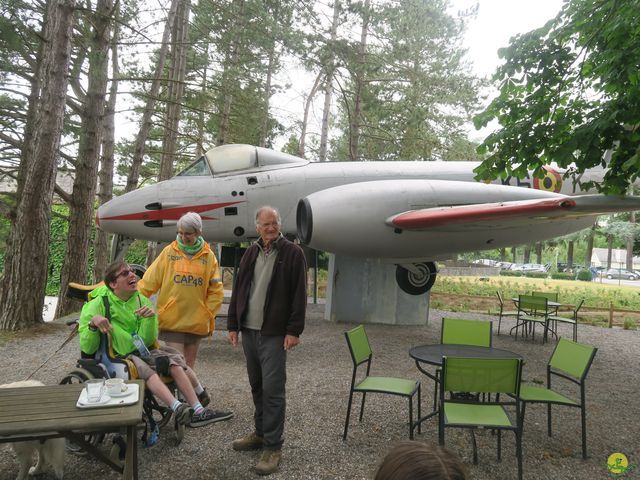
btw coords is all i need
(474, 213)
(171, 213)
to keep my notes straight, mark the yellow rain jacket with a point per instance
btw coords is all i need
(190, 290)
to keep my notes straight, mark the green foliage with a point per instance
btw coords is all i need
(415, 92)
(569, 93)
(562, 276)
(536, 274)
(511, 273)
(584, 276)
(629, 324)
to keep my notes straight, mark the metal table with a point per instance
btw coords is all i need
(37, 413)
(432, 355)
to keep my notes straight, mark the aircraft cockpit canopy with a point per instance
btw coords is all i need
(237, 157)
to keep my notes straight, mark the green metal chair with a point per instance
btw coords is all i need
(459, 331)
(503, 312)
(532, 310)
(571, 361)
(361, 354)
(571, 320)
(466, 332)
(487, 376)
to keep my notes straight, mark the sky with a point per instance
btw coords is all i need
(496, 22)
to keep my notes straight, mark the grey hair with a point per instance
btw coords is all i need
(268, 208)
(191, 221)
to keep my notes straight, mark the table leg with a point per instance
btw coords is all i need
(130, 471)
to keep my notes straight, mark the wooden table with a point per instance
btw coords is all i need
(35, 413)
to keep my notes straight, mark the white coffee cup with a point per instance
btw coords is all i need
(115, 386)
(95, 389)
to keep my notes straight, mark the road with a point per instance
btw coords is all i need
(615, 281)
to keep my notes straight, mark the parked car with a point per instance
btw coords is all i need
(531, 267)
(621, 273)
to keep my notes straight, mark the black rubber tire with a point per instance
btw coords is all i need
(413, 284)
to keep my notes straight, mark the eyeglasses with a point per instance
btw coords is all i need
(126, 273)
(267, 225)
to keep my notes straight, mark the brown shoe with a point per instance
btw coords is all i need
(250, 442)
(269, 462)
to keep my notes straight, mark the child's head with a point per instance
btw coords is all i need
(420, 461)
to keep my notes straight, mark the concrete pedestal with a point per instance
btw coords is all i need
(364, 290)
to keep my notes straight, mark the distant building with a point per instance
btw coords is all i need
(618, 258)
(64, 179)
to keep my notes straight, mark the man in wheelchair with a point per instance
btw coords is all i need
(131, 316)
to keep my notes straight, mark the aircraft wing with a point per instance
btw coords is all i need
(507, 214)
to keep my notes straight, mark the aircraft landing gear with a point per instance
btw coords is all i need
(416, 278)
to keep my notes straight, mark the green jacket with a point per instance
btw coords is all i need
(123, 319)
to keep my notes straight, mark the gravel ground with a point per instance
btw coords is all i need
(319, 373)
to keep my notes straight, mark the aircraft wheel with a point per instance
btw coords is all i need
(416, 283)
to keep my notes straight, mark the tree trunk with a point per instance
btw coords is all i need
(175, 95)
(105, 188)
(589, 251)
(328, 88)
(527, 254)
(629, 244)
(539, 252)
(513, 254)
(503, 254)
(81, 212)
(22, 288)
(264, 124)
(570, 254)
(355, 121)
(229, 79)
(149, 108)
(609, 250)
(305, 117)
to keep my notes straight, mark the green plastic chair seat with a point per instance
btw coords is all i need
(530, 393)
(398, 386)
(533, 318)
(361, 355)
(559, 318)
(570, 362)
(460, 414)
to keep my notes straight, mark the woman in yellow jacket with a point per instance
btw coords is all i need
(187, 276)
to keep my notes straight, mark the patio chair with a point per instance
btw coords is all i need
(571, 320)
(531, 311)
(361, 354)
(571, 361)
(459, 331)
(503, 312)
(482, 375)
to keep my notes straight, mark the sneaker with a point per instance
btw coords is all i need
(250, 442)
(204, 398)
(207, 416)
(268, 462)
(183, 414)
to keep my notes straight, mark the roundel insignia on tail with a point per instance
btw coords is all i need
(551, 182)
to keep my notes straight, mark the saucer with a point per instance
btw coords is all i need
(128, 391)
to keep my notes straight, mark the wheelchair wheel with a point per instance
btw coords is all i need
(118, 450)
(162, 415)
(80, 375)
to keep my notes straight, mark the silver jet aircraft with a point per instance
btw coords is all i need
(407, 213)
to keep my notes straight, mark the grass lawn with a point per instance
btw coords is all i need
(478, 294)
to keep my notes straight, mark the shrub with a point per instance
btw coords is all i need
(510, 273)
(536, 274)
(629, 324)
(584, 276)
(562, 276)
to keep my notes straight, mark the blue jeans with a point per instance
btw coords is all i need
(267, 370)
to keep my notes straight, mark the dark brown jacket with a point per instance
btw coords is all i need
(286, 300)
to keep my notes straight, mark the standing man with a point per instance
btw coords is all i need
(268, 306)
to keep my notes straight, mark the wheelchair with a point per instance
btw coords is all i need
(106, 364)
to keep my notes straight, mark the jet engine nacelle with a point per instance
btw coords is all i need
(351, 219)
